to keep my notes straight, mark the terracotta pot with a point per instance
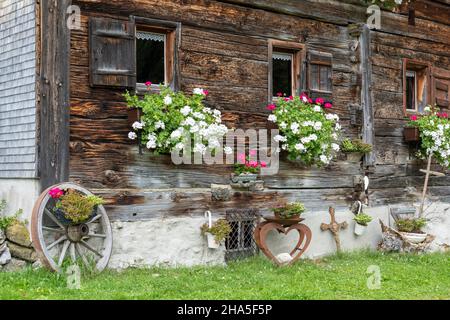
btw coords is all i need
(411, 134)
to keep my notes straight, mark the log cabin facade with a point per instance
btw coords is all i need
(228, 47)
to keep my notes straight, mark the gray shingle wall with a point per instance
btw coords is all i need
(17, 89)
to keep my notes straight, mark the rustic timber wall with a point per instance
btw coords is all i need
(17, 89)
(224, 49)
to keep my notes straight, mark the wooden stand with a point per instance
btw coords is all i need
(304, 240)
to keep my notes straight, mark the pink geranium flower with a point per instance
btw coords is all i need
(263, 164)
(253, 164)
(271, 107)
(241, 158)
(279, 94)
(148, 83)
(328, 105)
(56, 193)
(320, 101)
(413, 117)
(304, 97)
(205, 92)
(252, 153)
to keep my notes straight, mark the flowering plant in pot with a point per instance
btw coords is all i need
(246, 169)
(72, 207)
(355, 149)
(411, 229)
(171, 120)
(288, 211)
(362, 220)
(387, 4)
(308, 133)
(216, 232)
(434, 128)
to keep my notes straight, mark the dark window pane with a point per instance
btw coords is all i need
(282, 73)
(150, 59)
(320, 78)
(410, 91)
(315, 78)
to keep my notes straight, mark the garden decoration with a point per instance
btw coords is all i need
(246, 172)
(69, 220)
(284, 224)
(395, 241)
(308, 133)
(355, 149)
(334, 228)
(427, 172)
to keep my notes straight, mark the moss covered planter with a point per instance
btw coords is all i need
(61, 216)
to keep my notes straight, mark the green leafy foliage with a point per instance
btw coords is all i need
(289, 210)
(387, 4)
(78, 207)
(414, 225)
(6, 221)
(355, 145)
(308, 133)
(363, 219)
(434, 128)
(221, 229)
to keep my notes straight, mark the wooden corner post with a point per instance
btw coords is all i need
(54, 93)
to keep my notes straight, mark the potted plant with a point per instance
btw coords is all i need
(434, 129)
(355, 149)
(289, 211)
(362, 220)
(411, 229)
(309, 133)
(216, 232)
(246, 170)
(72, 207)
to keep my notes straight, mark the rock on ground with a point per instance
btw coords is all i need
(18, 233)
(23, 253)
(14, 265)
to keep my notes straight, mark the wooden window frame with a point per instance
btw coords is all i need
(298, 56)
(320, 63)
(416, 65)
(437, 75)
(172, 32)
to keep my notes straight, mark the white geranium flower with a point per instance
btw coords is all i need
(213, 143)
(228, 150)
(132, 135)
(138, 125)
(189, 121)
(427, 109)
(217, 113)
(305, 140)
(317, 108)
(160, 125)
(279, 138)
(313, 137)
(200, 148)
(207, 110)
(318, 125)
(305, 99)
(300, 147)
(194, 129)
(179, 146)
(199, 115)
(324, 159)
(272, 118)
(185, 110)
(198, 91)
(283, 125)
(167, 100)
(335, 147)
(294, 127)
(334, 136)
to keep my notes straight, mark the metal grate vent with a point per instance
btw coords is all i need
(240, 243)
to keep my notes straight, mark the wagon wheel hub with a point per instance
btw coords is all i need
(75, 233)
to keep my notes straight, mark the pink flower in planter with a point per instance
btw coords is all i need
(279, 94)
(304, 97)
(56, 193)
(241, 158)
(148, 83)
(310, 100)
(328, 105)
(253, 164)
(205, 92)
(320, 101)
(413, 117)
(252, 153)
(271, 107)
(263, 164)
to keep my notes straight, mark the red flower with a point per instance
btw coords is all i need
(279, 94)
(271, 107)
(241, 158)
(148, 83)
(413, 117)
(253, 153)
(56, 193)
(328, 105)
(287, 99)
(442, 114)
(320, 101)
(263, 164)
(310, 100)
(205, 92)
(304, 97)
(291, 98)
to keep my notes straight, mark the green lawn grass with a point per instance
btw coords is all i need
(337, 277)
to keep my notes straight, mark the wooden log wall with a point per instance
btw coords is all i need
(224, 49)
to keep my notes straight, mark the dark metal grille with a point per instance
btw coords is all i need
(240, 243)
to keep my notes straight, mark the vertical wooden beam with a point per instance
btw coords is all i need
(368, 130)
(54, 93)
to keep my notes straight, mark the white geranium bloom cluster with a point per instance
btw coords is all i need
(307, 132)
(170, 120)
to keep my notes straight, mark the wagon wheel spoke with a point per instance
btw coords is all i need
(63, 252)
(51, 216)
(52, 229)
(95, 218)
(61, 239)
(87, 246)
(96, 235)
(83, 258)
(72, 252)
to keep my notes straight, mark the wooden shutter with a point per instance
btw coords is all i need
(112, 52)
(316, 59)
(441, 87)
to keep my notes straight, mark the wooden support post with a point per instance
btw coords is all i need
(54, 94)
(425, 186)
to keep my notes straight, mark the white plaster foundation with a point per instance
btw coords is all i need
(178, 242)
(19, 194)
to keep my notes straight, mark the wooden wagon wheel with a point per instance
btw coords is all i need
(91, 241)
